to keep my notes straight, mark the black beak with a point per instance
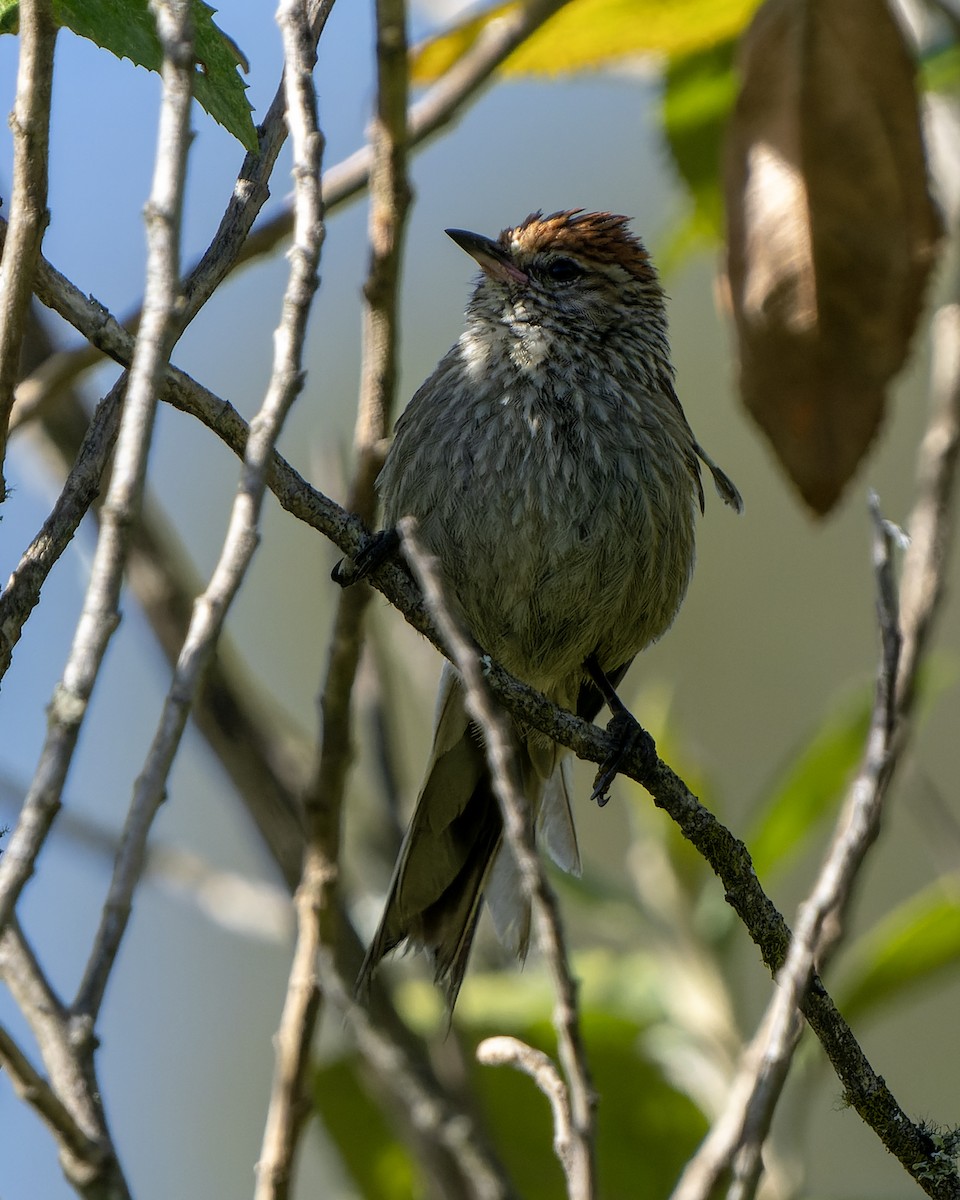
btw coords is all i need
(493, 259)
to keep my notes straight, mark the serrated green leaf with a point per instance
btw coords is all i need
(127, 29)
(9, 16)
(810, 788)
(911, 946)
(591, 34)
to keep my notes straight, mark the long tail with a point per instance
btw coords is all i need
(450, 854)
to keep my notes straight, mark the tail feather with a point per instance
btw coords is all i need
(555, 821)
(725, 486)
(450, 855)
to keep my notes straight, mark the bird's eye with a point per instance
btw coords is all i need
(563, 270)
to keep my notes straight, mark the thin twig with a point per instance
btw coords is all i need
(318, 919)
(574, 1137)
(502, 1051)
(931, 523)
(737, 1138)
(34, 1090)
(239, 545)
(87, 1155)
(287, 1107)
(100, 612)
(428, 1111)
(735, 1142)
(29, 216)
(389, 203)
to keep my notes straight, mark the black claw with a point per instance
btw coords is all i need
(372, 554)
(631, 738)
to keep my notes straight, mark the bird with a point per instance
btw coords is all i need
(551, 472)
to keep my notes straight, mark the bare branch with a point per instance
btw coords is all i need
(390, 199)
(86, 1153)
(34, 1090)
(574, 1138)
(427, 1109)
(100, 611)
(28, 204)
(931, 523)
(316, 898)
(288, 1107)
(238, 549)
(735, 1142)
(510, 1051)
(738, 1137)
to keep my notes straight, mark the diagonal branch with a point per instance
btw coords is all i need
(87, 1155)
(239, 545)
(34, 1090)
(316, 901)
(100, 612)
(735, 1142)
(575, 1129)
(389, 204)
(737, 1138)
(29, 215)
(287, 1109)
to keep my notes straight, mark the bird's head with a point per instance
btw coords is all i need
(578, 273)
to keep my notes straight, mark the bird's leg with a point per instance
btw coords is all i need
(630, 735)
(373, 554)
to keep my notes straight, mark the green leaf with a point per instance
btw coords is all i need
(940, 68)
(910, 947)
(645, 1132)
(9, 16)
(699, 91)
(127, 29)
(646, 1128)
(592, 34)
(810, 788)
(378, 1164)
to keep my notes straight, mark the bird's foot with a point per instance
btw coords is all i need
(372, 554)
(631, 738)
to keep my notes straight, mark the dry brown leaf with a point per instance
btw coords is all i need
(831, 229)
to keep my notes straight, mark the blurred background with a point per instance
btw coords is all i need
(776, 642)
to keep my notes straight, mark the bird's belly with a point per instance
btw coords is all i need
(587, 564)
